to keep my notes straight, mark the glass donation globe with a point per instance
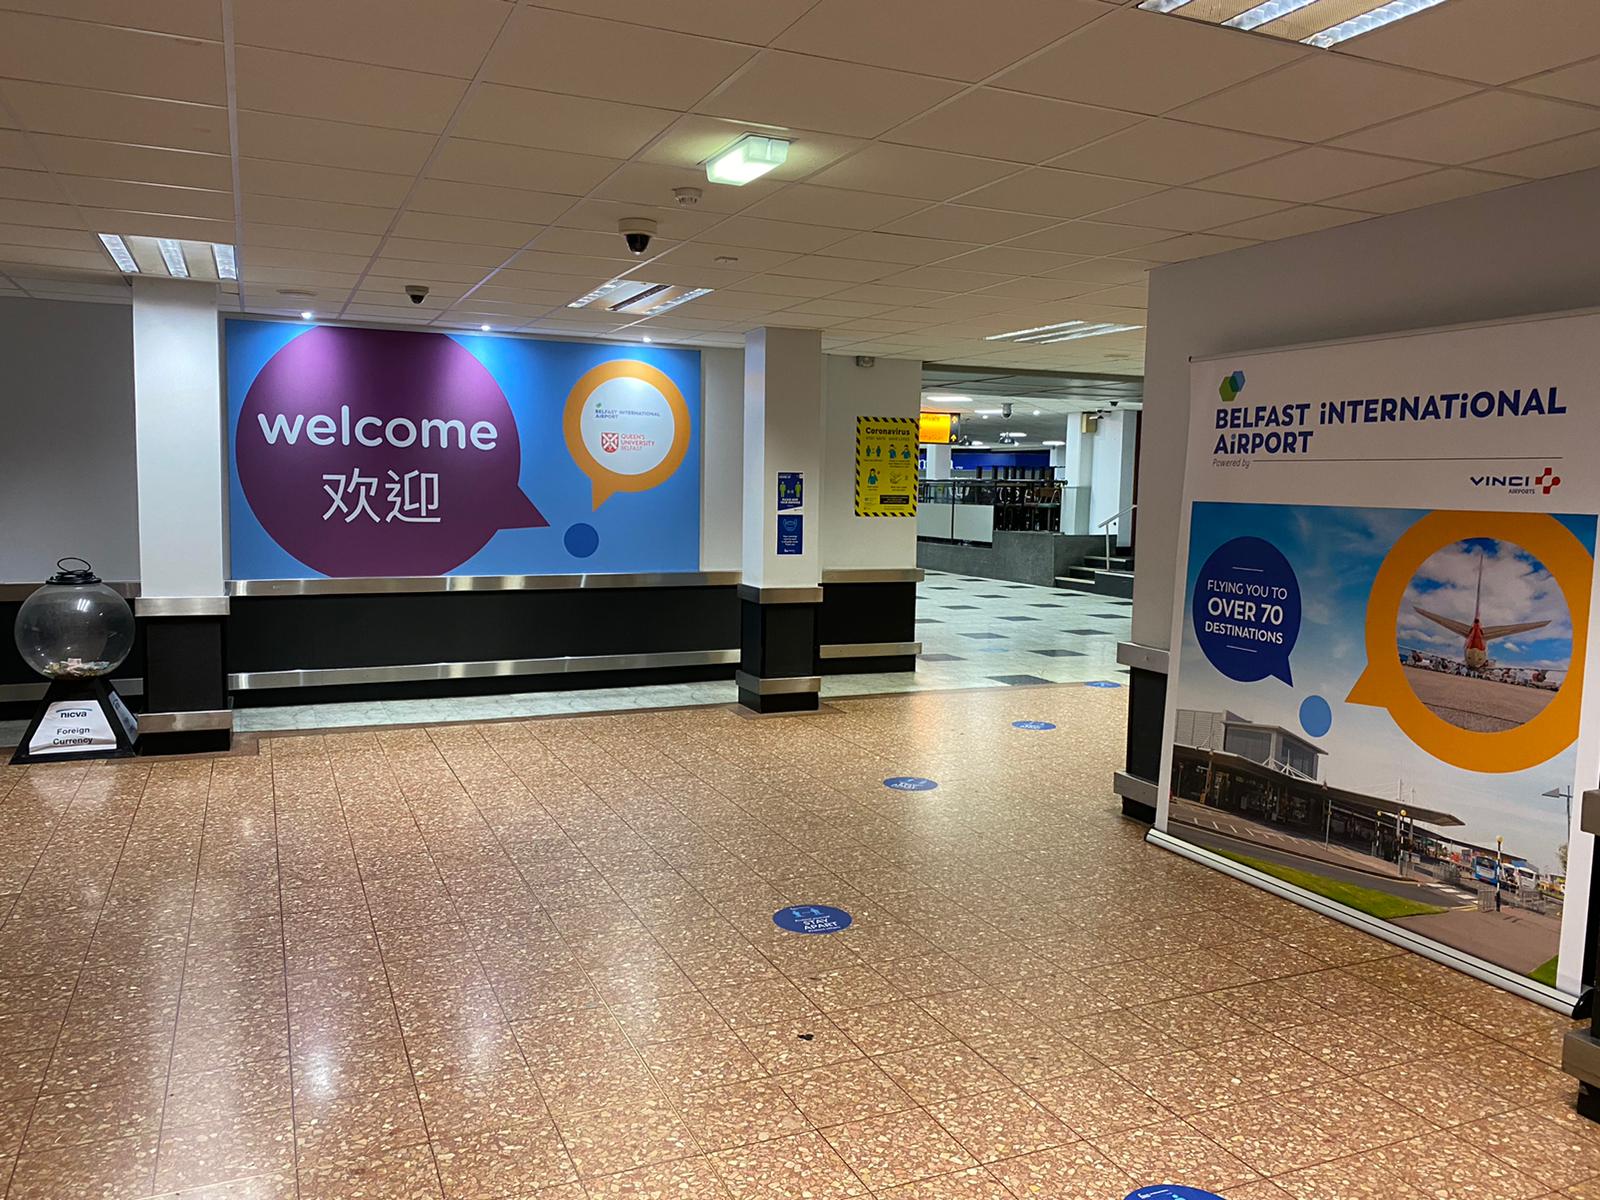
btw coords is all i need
(74, 627)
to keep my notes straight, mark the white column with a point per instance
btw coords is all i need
(180, 438)
(782, 432)
(938, 463)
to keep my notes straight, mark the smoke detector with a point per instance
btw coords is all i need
(687, 197)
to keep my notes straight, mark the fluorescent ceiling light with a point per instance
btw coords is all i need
(227, 264)
(1017, 333)
(172, 255)
(932, 399)
(608, 286)
(751, 157)
(1013, 434)
(1052, 442)
(648, 290)
(1312, 22)
(988, 412)
(118, 249)
(1386, 14)
(1091, 331)
(682, 298)
(1262, 13)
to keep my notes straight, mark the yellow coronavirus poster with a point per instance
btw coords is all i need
(886, 466)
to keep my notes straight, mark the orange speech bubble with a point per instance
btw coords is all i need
(626, 426)
(1384, 685)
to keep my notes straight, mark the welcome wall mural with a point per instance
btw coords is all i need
(378, 452)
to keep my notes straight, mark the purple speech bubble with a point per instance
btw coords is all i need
(380, 452)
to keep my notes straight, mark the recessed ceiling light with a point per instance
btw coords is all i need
(485, 328)
(751, 157)
(647, 338)
(1017, 333)
(307, 315)
(172, 255)
(1320, 23)
(1036, 412)
(587, 298)
(1052, 442)
(118, 249)
(682, 298)
(1385, 14)
(227, 262)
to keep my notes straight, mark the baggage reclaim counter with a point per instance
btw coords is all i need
(312, 640)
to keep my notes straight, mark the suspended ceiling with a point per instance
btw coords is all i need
(958, 169)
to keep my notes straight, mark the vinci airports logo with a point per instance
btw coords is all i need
(1545, 481)
(1231, 386)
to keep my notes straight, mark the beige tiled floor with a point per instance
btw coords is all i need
(537, 959)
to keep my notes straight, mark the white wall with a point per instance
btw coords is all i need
(891, 387)
(1509, 253)
(722, 458)
(1111, 451)
(180, 438)
(67, 478)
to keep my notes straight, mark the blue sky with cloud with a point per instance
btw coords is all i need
(1336, 553)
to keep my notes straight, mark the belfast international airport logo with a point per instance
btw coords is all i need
(1231, 386)
(1545, 482)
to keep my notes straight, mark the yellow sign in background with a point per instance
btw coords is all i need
(886, 466)
(936, 428)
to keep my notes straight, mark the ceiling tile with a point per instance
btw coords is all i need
(414, 35)
(144, 224)
(1087, 237)
(83, 112)
(586, 56)
(798, 91)
(59, 239)
(1050, 192)
(187, 18)
(822, 266)
(111, 58)
(878, 293)
(737, 20)
(117, 160)
(593, 244)
(463, 254)
(521, 117)
(1012, 260)
(744, 258)
(304, 85)
(1009, 125)
(890, 247)
(910, 171)
(434, 272)
(813, 205)
(1191, 211)
(952, 39)
(1553, 158)
(1296, 102)
(1580, 83)
(332, 143)
(17, 150)
(1103, 270)
(601, 216)
(483, 200)
(948, 279)
(1488, 40)
(1434, 188)
(652, 183)
(148, 197)
(1291, 222)
(289, 237)
(776, 235)
(1039, 289)
(479, 231)
(1145, 62)
(30, 185)
(957, 222)
(269, 177)
(468, 161)
(1313, 173)
(1170, 152)
(1476, 127)
(34, 212)
(317, 214)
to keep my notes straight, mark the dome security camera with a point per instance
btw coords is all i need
(637, 232)
(417, 291)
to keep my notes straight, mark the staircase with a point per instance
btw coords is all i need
(1100, 575)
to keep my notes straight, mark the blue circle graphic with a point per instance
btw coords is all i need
(1316, 718)
(910, 783)
(1246, 610)
(1101, 683)
(812, 918)
(1038, 726)
(1171, 1191)
(581, 540)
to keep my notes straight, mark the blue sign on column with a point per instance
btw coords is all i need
(789, 533)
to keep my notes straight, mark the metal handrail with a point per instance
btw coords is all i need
(1106, 523)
